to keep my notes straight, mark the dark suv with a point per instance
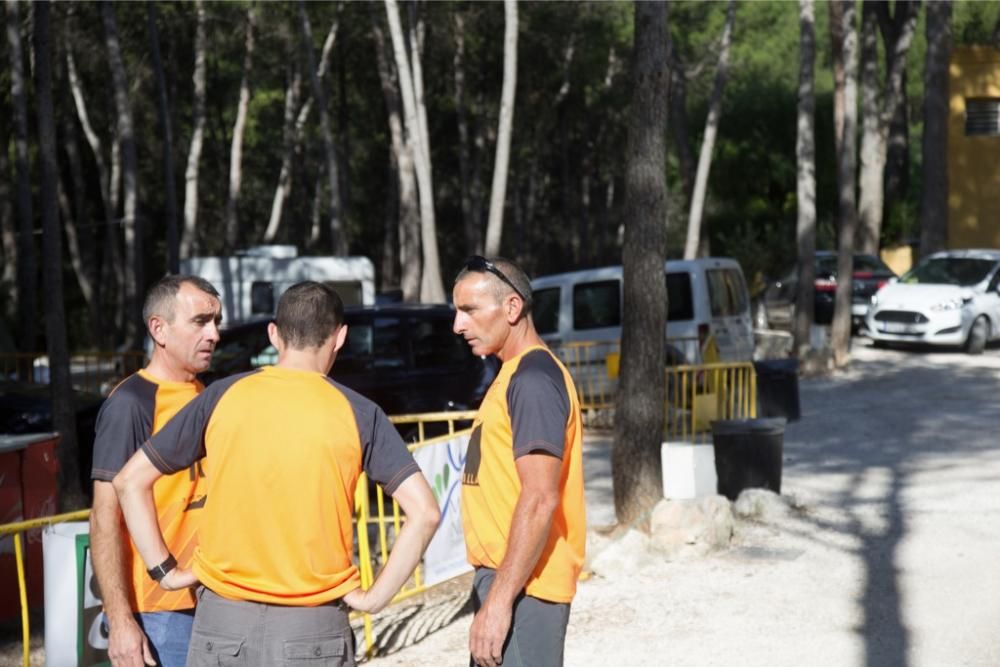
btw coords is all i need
(404, 357)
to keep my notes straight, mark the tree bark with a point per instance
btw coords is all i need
(639, 411)
(846, 166)
(494, 225)
(166, 128)
(836, 10)
(694, 231)
(411, 88)
(470, 220)
(805, 152)
(678, 125)
(189, 239)
(27, 257)
(8, 228)
(284, 187)
(239, 127)
(408, 224)
(934, 197)
(63, 414)
(338, 238)
(133, 279)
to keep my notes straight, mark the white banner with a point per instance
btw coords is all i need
(442, 465)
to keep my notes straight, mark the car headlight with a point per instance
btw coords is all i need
(950, 304)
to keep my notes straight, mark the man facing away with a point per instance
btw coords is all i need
(522, 489)
(147, 624)
(283, 447)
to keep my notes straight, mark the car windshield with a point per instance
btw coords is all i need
(964, 271)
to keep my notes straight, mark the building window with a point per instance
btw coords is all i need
(982, 117)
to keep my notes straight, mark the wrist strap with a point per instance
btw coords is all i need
(161, 570)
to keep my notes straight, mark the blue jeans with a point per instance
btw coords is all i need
(169, 633)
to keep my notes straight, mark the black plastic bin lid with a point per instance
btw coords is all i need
(768, 425)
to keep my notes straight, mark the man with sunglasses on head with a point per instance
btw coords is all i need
(522, 488)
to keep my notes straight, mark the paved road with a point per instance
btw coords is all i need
(893, 562)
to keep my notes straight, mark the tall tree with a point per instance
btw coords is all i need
(694, 232)
(847, 211)
(63, 414)
(27, 258)
(189, 239)
(934, 196)
(805, 154)
(239, 127)
(415, 121)
(639, 414)
(470, 215)
(401, 158)
(338, 237)
(494, 225)
(166, 128)
(8, 227)
(130, 179)
(878, 109)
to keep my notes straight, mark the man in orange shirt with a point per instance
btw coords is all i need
(283, 447)
(146, 623)
(523, 508)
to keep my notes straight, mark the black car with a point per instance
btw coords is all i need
(404, 357)
(870, 273)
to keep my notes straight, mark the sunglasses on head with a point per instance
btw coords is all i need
(480, 264)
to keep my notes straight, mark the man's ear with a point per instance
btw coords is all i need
(513, 306)
(341, 335)
(274, 336)
(155, 326)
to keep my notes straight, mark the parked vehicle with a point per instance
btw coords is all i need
(870, 274)
(705, 297)
(949, 298)
(404, 357)
(251, 281)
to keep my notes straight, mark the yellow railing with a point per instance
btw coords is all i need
(91, 372)
(15, 530)
(699, 395)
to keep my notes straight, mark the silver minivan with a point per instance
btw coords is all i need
(706, 298)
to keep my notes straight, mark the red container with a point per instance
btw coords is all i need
(29, 488)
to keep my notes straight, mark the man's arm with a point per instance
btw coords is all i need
(134, 485)
(127, 645)
(529, 530)
(422, 516)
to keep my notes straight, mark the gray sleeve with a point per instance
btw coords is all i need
(123, 424)
(181, 441)
(384, 455)
(539, 406)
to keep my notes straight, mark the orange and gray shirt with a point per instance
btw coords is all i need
(282, 450)
(137, 408)
(531, 407)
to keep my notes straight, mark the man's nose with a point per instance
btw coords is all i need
(212, 332)
(458, 326)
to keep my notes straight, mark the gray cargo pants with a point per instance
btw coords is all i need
(237, 632)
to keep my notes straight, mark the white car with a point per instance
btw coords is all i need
(949, 298)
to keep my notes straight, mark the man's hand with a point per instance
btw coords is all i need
(127, 644)
(177, 579)
(488, 632)
(359, 600)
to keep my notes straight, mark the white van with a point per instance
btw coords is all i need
(705, 297)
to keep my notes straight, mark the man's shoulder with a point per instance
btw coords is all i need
(538, 364)
(134, 392)
(359, 403)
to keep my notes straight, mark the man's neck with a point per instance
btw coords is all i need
(522, 337)
(162, 369)
(302, 360)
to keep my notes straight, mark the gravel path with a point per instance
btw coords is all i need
(892, 561)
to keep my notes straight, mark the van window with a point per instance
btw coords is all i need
(726, 292)
(545, 310)
(261, 298)
(349, 291)
(596, 305)
(435, 345)
(680, 305)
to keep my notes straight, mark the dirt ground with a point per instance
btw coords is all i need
(892, 562)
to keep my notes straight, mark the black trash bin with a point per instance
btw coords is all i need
(778, 388)
(748, 454)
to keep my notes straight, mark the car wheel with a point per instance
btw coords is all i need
(978, 335)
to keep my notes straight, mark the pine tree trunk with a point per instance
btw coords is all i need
(873, 149)
(27, 256)
(239, 127)
(166, 128)
(189, 238)
(63, 414)
(846, 165)
(694, 230)
(934, 197)
(494, 225)
(284, 187)
(639, 411)
(805, 153)
(133, 278)
(470, 223)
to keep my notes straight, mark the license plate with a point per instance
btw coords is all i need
(898, 327)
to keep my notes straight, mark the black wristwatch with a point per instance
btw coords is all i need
(161, 570)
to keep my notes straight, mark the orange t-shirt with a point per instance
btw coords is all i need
(531, 407)
(137, 408)
(283, 450)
